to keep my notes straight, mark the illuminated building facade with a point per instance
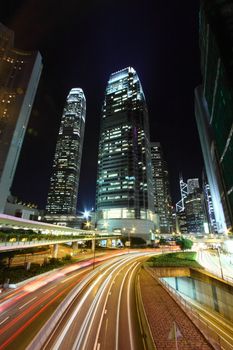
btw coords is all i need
(214, 105)
(63, 191)
(192, 185)
(19, 76)
(162, 197)
(124, 197)
(195, 212)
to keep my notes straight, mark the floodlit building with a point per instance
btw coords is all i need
(19, 77)
(214, 106)
(63, 191)
(124, 198)
(195, 212)
(162, 197)
(192, 185)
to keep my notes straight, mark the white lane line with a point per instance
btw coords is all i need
(27, 303)
(98, 346)
(128, 308)
(65, 329)
(68, 278)
(45, 291)
(118, 310)
(4, 319)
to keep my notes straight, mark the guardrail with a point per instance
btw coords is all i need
(215, 339)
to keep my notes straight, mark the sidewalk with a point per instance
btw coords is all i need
(162, 311)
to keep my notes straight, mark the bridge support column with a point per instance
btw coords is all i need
(55, 250)
(109, 243)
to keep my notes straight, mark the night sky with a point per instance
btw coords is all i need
(82, 43)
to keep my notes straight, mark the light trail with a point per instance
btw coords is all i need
(27, 303)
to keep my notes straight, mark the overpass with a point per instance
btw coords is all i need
(44, 229)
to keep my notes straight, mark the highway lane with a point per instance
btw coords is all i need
(216, 264)
(24, 311)
(105, 314)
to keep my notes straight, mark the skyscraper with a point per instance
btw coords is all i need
(19, 77)
(63, 191)
(192, 185)
(214, 106)
(195, 212)
(162, 197)
(124, 198)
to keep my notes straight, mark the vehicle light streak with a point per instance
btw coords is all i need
(71, 319)
(4, 320)
(128, 308)
(62, 335)
(118, 310)
(84, 332)
(27, 303)
(27, 323)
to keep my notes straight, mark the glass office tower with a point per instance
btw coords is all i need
(162, 196)
(124, 183)
(63, 192)
(19, 77)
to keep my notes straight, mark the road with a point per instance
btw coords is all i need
(24, 311)
(218, 264)
(102, 315)
(105, 314)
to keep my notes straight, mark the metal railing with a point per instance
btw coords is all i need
(215, 339)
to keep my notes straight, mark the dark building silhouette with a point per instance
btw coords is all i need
(162, 196)
(19, 77)
(214, 105)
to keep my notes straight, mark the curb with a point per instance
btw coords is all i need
(148, 340)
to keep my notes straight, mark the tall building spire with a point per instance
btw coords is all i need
(124, 183)
(63, 192)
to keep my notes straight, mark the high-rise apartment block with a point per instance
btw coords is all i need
(214, 106)
(63, 191)
(124, 198)
(19, 77)
(162, 197)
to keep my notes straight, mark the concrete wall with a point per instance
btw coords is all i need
(213, 293)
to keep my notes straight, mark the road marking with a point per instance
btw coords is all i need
(98, 346)
(69, 278)
(27, 303)
(105, 311)
(4, 319)
(49, 289)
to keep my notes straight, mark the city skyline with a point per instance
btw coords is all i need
(168, 89)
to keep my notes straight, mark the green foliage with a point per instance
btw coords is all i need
(181, 259)
(184, 243)
(67, 257)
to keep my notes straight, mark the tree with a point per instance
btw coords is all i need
(184, 243)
